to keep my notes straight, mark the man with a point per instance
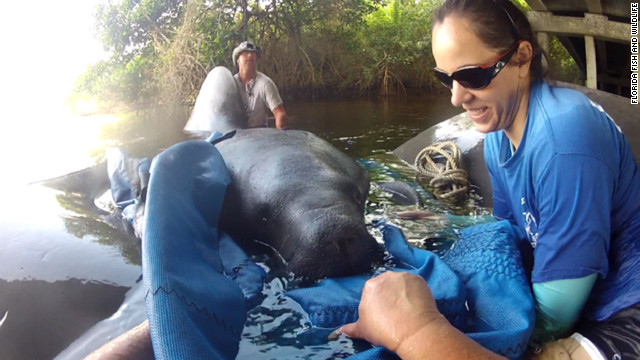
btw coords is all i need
(258, 92)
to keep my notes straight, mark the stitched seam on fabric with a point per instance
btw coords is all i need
(198, 309)
(514, 351)
(333, 311)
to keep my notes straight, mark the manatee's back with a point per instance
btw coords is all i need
(264, 154)
(268, 164)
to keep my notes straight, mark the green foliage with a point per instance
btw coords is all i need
(522, 4)
(118, 84)
(397, 44)
(130, 30)
(161, 50)
(562, 66)
(128, 27)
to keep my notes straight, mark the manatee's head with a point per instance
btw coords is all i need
(302, 197)
(322, 234)
(335, 246)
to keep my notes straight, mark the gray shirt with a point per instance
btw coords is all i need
(260, 95)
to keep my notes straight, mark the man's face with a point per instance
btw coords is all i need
(247, 60)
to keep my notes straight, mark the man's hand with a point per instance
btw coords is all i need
(281, 117)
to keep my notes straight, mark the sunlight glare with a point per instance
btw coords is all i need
(46, 46)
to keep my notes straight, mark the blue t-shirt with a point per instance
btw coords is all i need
(573, 187)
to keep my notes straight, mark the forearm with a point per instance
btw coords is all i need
(559, 304)
(440, 340)
(135, 344)
(281, 117)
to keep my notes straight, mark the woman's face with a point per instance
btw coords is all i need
(494, 107)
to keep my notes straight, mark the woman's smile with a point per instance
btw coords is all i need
(477, 114)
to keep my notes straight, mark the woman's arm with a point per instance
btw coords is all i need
(559, 304)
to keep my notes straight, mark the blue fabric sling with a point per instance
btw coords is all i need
(200, 284)
(483, 271)
(195, 297)
(128, 176)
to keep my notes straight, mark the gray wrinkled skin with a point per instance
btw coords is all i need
(300, 196)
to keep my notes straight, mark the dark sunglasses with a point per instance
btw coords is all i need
(477, 77)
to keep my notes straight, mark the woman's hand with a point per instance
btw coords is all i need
(398, 311)
(394, 306)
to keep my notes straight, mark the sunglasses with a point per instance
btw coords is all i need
(477, 77)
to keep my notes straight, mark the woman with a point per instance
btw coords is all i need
(560, 170)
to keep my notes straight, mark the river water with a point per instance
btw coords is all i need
(64, 268)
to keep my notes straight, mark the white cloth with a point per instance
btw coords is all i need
(588, 346)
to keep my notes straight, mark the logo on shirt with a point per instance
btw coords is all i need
(530, 224)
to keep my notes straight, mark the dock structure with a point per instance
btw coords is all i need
(596, 33)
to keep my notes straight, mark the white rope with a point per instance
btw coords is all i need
(439, 164)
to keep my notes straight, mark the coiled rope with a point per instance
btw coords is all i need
(439, 163)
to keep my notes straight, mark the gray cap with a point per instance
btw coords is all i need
(245, 46)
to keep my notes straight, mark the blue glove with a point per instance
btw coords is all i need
(128, 176)
(239, 267)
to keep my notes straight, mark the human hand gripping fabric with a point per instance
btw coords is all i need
(398, 311)
(413, 308)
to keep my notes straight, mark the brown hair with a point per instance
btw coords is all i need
(498, 23)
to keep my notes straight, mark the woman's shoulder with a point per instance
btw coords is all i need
(567, 109)
(557, 99)
(571, 123)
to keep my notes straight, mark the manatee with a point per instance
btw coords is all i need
(291, 191)
(218, 106)
(299, 195)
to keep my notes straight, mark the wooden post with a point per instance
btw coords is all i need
(593, 25)
(544, 42)
(592, 69)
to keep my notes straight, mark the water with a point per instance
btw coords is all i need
(360, 128)
(55, 243)
(363, 128)
(368, 132)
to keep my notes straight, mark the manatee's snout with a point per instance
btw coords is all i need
(336, 251)
(354, 254)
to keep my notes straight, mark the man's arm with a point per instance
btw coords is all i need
(281, 117)
(134, 344)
